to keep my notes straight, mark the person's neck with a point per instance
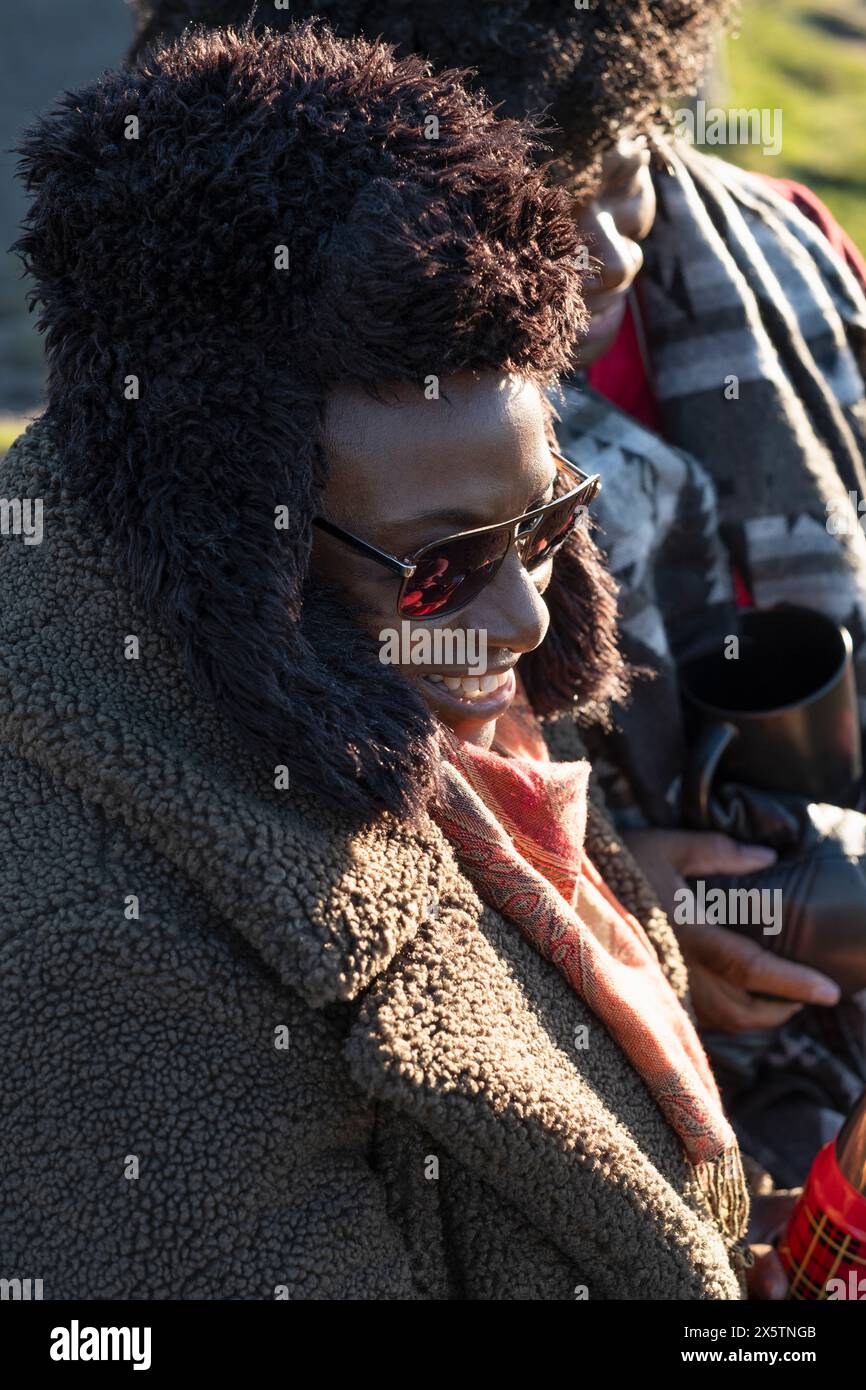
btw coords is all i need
(480, 738)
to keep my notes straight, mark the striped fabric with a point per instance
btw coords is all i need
(756, 336)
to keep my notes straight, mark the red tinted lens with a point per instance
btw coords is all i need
(453, 574)
(553, 528)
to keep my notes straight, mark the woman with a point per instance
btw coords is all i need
(310, 991)
(727, 411)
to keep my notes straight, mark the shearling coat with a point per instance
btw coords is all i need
(252, 1051)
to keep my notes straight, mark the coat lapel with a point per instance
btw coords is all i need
(474, 1036)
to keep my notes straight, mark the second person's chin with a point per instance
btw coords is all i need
(602, 334)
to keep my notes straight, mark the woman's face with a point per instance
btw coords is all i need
(615, 219)
(406, 471)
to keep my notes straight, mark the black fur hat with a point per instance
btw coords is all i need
(238, 224)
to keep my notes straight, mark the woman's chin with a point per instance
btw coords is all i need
(481, 735)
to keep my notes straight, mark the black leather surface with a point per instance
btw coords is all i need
(821, 872)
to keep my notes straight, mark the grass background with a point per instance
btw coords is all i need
(807, 57)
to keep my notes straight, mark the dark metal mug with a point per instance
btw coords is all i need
(781, 716)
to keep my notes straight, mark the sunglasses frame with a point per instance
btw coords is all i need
(407, 567)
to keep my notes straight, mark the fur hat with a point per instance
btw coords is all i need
(237, 225)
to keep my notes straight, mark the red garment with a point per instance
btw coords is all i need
(811, 206)
(621, 375)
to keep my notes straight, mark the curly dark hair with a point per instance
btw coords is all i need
(155, 256)
(596, 72)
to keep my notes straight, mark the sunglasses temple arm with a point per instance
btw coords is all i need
(571, 467)
(365, 548)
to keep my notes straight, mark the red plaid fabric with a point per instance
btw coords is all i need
(826, 1236)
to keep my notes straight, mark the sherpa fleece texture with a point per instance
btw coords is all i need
(432, 1130)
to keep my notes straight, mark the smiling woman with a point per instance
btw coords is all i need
(479, 458)
(297, 921)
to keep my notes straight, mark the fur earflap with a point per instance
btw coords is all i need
(217, 237)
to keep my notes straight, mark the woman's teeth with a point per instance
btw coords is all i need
(472, 687)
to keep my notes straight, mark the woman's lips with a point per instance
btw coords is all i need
(477, 697)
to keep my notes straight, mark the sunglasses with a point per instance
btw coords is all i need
(446, 575)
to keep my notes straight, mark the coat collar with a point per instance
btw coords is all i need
(474, 1036)
(92, 692)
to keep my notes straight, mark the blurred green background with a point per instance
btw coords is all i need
(807, 57)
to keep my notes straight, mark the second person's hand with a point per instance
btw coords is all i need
(726, 970)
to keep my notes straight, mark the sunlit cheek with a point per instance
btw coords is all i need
(542, 576)
(645, 212)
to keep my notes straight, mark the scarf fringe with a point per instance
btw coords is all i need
(723, 1185)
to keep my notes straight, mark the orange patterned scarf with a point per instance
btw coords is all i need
(516, 821)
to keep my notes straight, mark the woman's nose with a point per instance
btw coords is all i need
(621, 258)
(510, 611)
